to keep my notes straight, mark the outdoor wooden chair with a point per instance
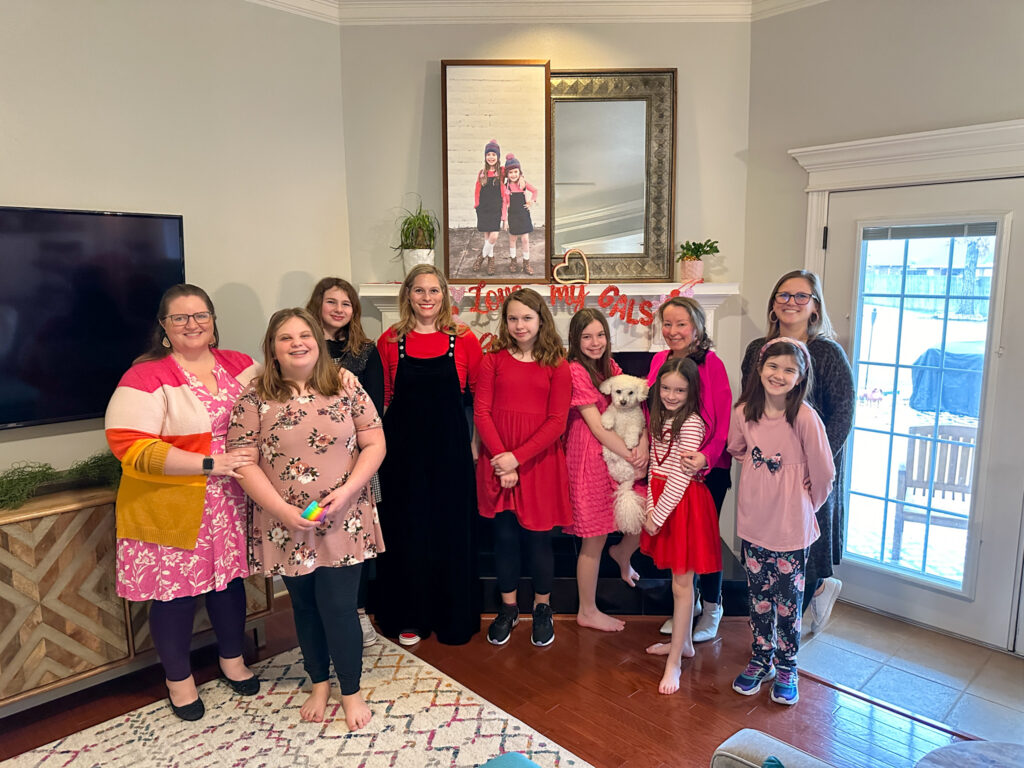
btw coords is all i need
(954, 470)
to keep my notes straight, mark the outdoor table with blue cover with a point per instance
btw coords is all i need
(960, 374)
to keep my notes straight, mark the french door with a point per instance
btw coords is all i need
(925, 286)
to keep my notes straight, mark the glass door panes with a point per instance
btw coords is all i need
(919, 355)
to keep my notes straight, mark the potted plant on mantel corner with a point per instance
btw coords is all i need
(690, 254)
(417, 233)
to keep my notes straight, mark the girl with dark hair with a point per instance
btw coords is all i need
(681, 529)
(591, 490)
(796, 308)
(336, 303)
(317, 445)
(487, 200)
(684, 329)
(516, 210)
(786, 474)
(520, 409)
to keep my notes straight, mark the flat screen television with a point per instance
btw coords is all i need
(78, 298)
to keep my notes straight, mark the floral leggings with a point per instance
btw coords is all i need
(775, 583)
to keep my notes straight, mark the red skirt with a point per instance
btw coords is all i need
(689, 539)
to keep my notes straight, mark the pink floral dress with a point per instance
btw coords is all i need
(148, 571)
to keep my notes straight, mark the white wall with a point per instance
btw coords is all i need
(224, 111)
(856, 69)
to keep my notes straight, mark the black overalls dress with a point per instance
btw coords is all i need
(488, 212)
(428, 581)
(519, 221)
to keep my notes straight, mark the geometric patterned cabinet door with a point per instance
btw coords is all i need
(60, 616)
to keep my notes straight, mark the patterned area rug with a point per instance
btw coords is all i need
(421, 718)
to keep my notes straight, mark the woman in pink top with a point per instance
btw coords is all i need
(787, 473)
(684, 328)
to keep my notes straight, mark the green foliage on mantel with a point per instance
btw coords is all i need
(26, 479)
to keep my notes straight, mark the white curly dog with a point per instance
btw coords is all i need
(625, 418)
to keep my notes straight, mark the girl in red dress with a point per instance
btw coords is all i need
(520, 407)
(681, 529)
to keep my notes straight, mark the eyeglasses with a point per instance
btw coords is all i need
(200, 317)
(799, 298)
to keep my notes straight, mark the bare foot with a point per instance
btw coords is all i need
(626, 571)
(670, 680)
(235, 669)
(313, 709)
(601, 621)
(662, 649)
(357, 714)
(182, 692)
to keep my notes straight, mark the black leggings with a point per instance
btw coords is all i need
(170, 625)
(324, 605)
(718, 482)
(508, 536)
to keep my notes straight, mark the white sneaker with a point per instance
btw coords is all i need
(707, 624)
(666, 628)
(821, 605)
(369, 633)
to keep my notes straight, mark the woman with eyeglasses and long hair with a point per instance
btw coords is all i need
(180, 513)
(796, 309)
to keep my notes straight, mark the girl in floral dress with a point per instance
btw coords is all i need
(316, 444)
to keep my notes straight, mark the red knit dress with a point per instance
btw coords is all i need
(522, 407)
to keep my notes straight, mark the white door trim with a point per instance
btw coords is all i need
(969, 153)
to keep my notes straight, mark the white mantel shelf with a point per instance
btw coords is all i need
(625, 337)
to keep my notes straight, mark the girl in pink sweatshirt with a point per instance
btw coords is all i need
(786, 474)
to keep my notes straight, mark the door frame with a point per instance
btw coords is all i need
(967, 153)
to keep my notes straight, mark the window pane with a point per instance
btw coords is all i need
(923, 328)
(928, 266)
(869, 456)
(865, 518)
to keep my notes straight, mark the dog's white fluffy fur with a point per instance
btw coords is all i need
(625, 418)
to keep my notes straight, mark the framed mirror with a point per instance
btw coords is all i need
(613, 172)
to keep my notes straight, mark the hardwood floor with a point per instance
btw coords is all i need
(594, 693)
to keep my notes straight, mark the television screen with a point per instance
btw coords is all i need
(78, 299)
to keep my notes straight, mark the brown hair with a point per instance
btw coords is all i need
(701, 341)
(753, 397)
(354, 336)
(156, 350)
(547, 350)
(599, 369)
(271, 385)
(445, 322)
(687, 368)
(819, 324)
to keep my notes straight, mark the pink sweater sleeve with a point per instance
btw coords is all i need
(715, 402)
(820, 466)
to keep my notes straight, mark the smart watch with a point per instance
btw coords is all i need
(207, 465)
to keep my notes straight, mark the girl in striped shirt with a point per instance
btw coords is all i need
(681, 529)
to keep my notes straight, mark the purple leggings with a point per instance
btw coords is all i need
(170, 624)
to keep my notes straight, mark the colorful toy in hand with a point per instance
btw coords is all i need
(313, 512)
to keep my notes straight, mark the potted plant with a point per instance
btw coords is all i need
(417, 233)
(690, 265)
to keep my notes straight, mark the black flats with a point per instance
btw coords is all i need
(190, 712)
(247, 687)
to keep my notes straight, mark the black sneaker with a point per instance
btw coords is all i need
(501, 628)
(543, 625)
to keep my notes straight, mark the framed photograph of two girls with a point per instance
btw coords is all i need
(496, 133)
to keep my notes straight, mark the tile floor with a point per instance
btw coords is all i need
(969, 687)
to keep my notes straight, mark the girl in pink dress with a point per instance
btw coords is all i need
(520, 407)
(591, 490)
(681, 529)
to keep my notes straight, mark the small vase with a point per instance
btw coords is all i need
(413, 256)
(691, 269)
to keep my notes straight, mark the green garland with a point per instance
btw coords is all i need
(19, 483)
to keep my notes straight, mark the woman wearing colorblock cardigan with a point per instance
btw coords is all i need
(180, 514)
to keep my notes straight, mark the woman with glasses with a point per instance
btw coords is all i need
(796, 308)
(180, 513)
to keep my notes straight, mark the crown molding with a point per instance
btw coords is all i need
(393, 12)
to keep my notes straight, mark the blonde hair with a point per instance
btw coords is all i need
(547, 349)
(445, 322)
(818, 325)
(271, 385)
(355, 336)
